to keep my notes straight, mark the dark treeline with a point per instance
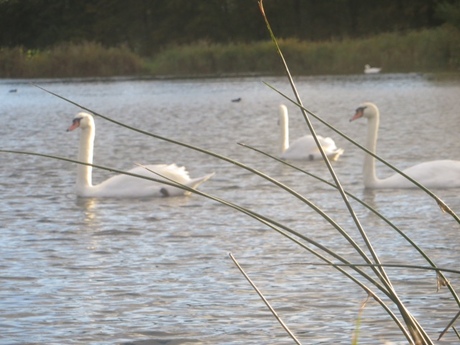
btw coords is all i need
(147, 26)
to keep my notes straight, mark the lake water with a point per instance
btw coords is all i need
(89, 271)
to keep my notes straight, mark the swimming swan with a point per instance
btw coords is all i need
(124, 186)
(371, 70)
(432, 174)
(304, 147)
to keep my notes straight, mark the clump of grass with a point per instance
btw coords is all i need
(13, 63)
(87, 59)
(204, 58)
(434, 50)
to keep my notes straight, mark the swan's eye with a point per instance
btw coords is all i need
(76, 120)
(360, 109)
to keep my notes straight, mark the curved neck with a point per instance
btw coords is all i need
(85, 154)
(284, 130)
(370, 177)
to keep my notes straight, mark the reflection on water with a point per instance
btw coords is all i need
(157, 271)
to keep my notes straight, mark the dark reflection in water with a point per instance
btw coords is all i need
(157, 271)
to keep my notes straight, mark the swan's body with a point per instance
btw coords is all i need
(303, 148)
(371, 70)
(124, 186)
(432, 174)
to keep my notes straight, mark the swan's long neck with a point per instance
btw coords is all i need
(284, 129)
(370, 177)
(85, 154)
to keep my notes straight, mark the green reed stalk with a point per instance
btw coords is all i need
(325, 158)
(354, 341)
(286, 328)
(450, 324)
(415, 329)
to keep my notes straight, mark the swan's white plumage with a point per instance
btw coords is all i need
(432, 174)
(303, 148)
(125, 186)
(371, 70)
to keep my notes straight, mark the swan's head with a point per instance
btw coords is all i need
(283, 109)
(82, 120)
(368, 110)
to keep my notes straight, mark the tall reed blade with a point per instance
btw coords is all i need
(275, 314)
(381, 273)
(417, 332)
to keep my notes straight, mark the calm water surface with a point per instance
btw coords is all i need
(89, 271)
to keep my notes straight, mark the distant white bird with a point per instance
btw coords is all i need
(371, 70)
(303, 148)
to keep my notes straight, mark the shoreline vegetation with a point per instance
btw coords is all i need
(431, 50)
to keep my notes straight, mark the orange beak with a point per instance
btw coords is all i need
(359, 113)
(75, 124)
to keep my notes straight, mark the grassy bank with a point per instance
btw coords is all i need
(69, 60)
(436, 50)
(424, 51)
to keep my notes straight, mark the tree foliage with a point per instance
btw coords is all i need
(449, 12)
(146, 26)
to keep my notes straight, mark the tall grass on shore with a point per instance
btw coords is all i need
(434, 50)
(87, 59)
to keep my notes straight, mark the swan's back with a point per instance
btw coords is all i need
(433, 174)
(126, 186)
(305, 148)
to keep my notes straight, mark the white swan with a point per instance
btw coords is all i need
(124, 186)
(432, 174)
(304, 147)
(371, 70)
